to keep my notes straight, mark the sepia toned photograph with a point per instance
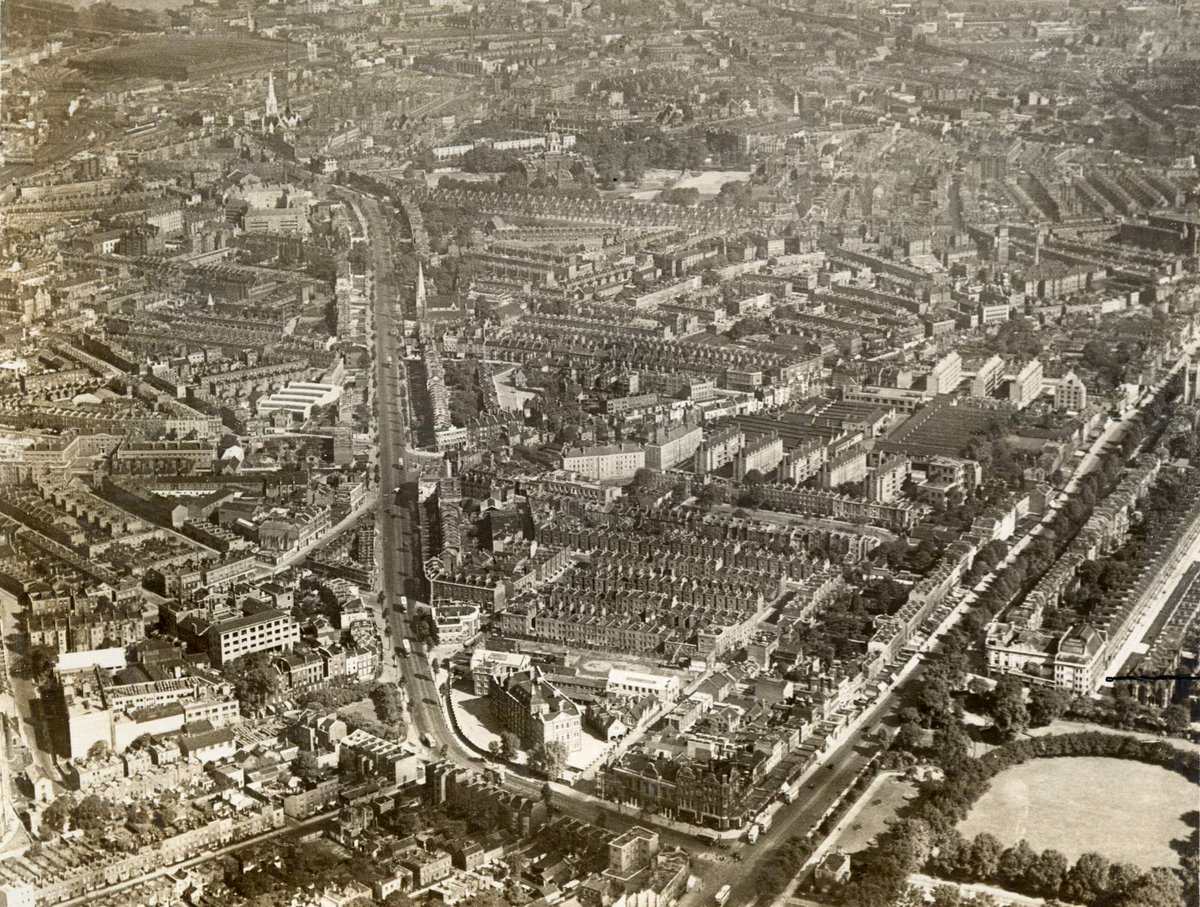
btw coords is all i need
(599, 453)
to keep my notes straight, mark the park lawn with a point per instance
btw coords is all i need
(1125, 810)
(876, 815)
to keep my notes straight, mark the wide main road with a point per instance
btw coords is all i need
(400, 559)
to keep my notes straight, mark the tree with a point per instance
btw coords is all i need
(985, 856)
(946, 896)
(935, 701)
(36, 663)
(1157, 888)
(1086, 880)
(550, 758)
(93, 813)
(1007, 707)
(494, 747)
(1177, 718)
(306, 768)
(254, 677)
(1047, 704)
(1014, 865)
(98, 750)
(1121, 878)
(516, 865)
(908, 738)
(645, 478)
(254, 884)
(1047, 873)
(510, 744)
(57, 816)
(952, 745)
(547, 793)
(389, 703)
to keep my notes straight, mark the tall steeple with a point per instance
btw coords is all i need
(272, 109)
(420, 297)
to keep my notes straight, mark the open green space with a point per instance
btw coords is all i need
(1125, 810)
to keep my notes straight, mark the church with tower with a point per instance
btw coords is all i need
(273, 119)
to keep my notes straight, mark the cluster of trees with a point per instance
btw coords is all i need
(356, 721)
(735, 193)
(96, 815)
(909, 844)
(424, 629)
(507, 746)
(1027, 567)
(254, 677)
(900, 555)
(334, 696)
(749, 326)
(986, 560)
(1124, 712)
(36, 664)
(849, 619)
(549, 759)
(687, 198)
(625, 156)
(389, 705)
(1091, 880)
(780, 867)
(1099, 581)
(484, 159)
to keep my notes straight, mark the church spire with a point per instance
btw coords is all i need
(272, 109)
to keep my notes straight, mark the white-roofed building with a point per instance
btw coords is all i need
(300, 398)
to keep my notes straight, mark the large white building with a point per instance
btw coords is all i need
(267, 630)
(663, 687)
(300, 398)
(1071, 394)
(610, 462)
(1027, 385)
(945, 376)
(668, 448)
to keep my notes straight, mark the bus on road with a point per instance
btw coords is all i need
(723, 895)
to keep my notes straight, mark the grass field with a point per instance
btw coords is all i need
(180, 57)
(1124, 810)
(876, 815)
